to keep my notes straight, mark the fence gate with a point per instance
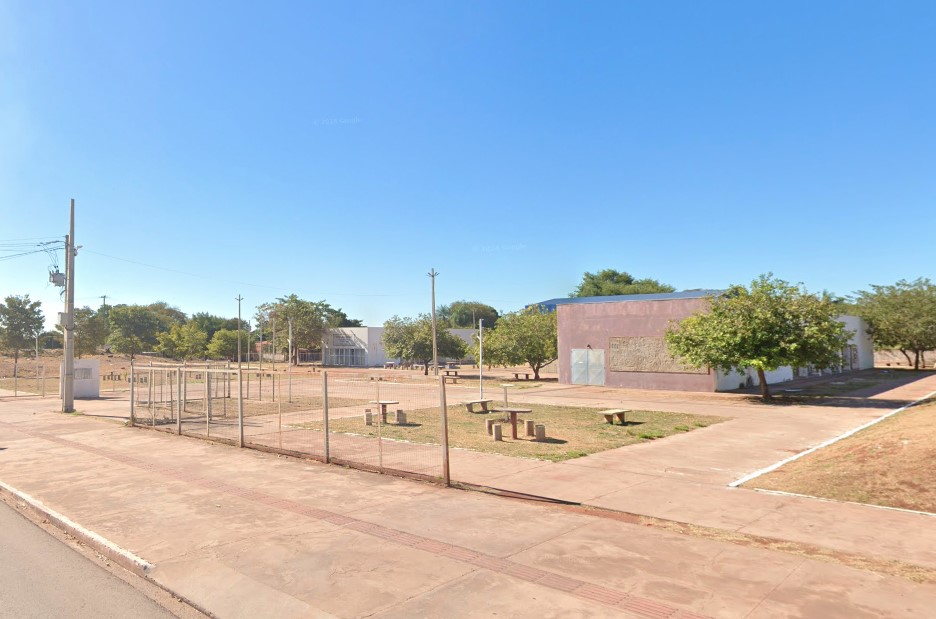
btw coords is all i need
(588, 366)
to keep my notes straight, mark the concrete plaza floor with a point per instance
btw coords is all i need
(244, 533)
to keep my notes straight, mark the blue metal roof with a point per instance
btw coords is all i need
(551, 304)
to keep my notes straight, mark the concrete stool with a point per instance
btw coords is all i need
(368, 417)
(540, 432)
(400, 417)
(529, 427)
(498, 432)
(489, 425)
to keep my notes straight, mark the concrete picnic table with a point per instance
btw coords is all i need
(513, 412)
(383, 407)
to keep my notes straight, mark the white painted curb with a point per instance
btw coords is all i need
(777, 465)
(112, 551)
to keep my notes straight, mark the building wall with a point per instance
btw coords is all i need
(861, 340)
(594, 324)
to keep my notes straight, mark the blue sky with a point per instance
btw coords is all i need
(339, 150)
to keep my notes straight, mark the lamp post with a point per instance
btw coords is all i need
(481, 358)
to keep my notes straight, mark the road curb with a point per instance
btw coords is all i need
(120, 556)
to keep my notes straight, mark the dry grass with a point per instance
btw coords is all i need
(571, 432)
(888, 464)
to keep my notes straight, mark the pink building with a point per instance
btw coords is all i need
(618, 341)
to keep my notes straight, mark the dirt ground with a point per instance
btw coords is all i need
(888, 464)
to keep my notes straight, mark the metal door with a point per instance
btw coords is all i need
(587, 366)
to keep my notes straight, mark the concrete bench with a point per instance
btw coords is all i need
(482, 403)
(620, 413)
(450, 379)
(525, 374)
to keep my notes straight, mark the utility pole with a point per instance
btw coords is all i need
(103, 298)
(68, 382)
(435, 352)
(239, 299)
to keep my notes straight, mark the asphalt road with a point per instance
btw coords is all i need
(42, 577)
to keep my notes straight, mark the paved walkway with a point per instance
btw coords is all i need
(244, 533)
(685, 477)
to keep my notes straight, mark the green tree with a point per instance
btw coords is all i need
(465, 315)
(901, 316)
(133, 328)
(609, 282)
(91, 329)
(186, 342)
(309, 320)
(167, 315)
(21, 320)
(223, 344)
(410, 339)
(210, 323)
(767, 326)
(51, 340)
(527, 337)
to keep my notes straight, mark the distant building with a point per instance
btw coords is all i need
(361, 346)
(618, 341)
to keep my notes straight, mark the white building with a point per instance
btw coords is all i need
(361, 346)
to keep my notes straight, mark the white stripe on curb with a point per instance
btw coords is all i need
(777, 465)
(124, 558)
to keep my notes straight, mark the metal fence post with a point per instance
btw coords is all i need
(132, 393)
(325, 412)
(149, 381)
(240, 410)
(446, 477)
(181, 377)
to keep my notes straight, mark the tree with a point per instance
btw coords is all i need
(609, 282)
(91, 328)
(901, 316)
(49, 340)
(770, 325)
(21, 320)
(465, 314)
(411, 340)
(167, 315)
(309, 321)
(210, 323)
(223, 344)
(133, 327)
(527, 337)
(337, 318)
(186, 341)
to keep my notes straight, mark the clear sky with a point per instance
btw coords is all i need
(340, 150)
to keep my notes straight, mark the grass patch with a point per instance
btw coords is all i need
(887, 464)
(571, 432)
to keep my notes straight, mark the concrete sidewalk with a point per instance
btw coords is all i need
(684, 477)
(243, 533)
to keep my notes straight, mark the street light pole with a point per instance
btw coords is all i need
(481, 357)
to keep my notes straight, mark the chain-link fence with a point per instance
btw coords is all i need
(342, 417)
